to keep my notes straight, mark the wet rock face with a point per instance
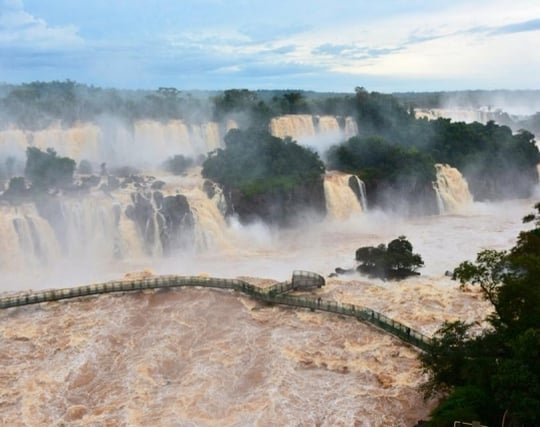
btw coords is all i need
(162, 220)
(280, 207)
(178, 222)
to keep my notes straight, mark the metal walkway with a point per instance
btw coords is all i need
(276, 294)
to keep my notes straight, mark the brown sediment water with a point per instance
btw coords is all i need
(209, 357)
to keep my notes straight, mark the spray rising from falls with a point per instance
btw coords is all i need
(345, 195)
(452, 189)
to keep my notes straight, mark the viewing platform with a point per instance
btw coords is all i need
(280, 293)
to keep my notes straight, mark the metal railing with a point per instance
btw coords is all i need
(275, 294)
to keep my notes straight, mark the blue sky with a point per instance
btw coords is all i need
(389, 45)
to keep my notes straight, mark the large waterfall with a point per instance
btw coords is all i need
(452, 189)
(345, 195)
(313, 130)
(139, 219)
(146, 143)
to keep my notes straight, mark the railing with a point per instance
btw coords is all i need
(275, 294)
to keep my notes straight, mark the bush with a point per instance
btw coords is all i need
(396, 261)
(178, 164)
(46, 170)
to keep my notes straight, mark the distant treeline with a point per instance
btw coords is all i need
(38, 105)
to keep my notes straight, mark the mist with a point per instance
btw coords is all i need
(128, 219)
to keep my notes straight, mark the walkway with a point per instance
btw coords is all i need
(276, 294)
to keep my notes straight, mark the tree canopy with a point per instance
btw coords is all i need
(499, 366)
(254, 161)
(45, 169)
(395, 261)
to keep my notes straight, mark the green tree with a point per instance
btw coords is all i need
(46, 170)
(178, 164)
(254, 161)
(395, 261)
(503, 361)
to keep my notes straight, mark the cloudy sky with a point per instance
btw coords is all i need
(333, 45)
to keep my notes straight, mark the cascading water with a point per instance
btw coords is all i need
(27, 239)
(146, 143)
(296, 126)
(327, 124)
(342, 201)
(351, 127)
(305, 128)
(452, 189)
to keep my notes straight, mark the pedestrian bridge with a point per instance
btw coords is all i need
(280, 293)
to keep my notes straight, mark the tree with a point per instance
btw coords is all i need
(396, 261)
(16, 187)
(178, 164)
(46, 170)
(501, 363)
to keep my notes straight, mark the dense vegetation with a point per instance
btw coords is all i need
(257, 169)
(396, 177)
(495, 162)
(494, 375)
(395, 261)
(44, 171)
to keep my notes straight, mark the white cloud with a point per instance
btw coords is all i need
(20, 29)
(344, 41)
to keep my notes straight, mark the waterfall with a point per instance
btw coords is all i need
(359, 188)
(317, 132)
(342, 202)
(452, 189)
(328, 124)
(351, 127)
(296, 126)
(209, 225)
(27, 239)
(147, 142)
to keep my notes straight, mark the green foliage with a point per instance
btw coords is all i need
(255, 162)
(178, 164)
(503, 361)
(392, 173)
(374, 159)
(382, 115)
(396, 261)
(46, 170)
(466, 403)
(494, 161)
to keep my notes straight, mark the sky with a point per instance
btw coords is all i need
(326, 46)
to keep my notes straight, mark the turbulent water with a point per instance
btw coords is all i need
(202, 357)
(212, 358)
